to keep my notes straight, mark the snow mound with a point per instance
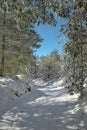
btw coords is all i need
(11, 88)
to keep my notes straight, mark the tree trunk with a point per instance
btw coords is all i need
(3, 51)
(2, 57)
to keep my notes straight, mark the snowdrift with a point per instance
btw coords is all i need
(12, 87)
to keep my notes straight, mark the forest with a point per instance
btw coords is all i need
(19, 41)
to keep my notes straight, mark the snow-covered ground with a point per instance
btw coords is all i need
(46, 107)
(11, 88)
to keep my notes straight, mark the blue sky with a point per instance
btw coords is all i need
(50, 35)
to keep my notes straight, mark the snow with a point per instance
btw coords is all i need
(11, 88)
(47, 107)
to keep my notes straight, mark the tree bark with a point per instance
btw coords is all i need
(3, 51)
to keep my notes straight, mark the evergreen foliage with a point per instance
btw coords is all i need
(18, 39)
(50, 66)
(17, 36)
(75, 49)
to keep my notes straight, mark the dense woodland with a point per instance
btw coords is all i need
(19, 40)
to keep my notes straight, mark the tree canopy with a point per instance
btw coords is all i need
(17, 36)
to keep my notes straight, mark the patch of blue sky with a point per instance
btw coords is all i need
(53, 37)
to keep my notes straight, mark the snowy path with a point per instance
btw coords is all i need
(47, 107)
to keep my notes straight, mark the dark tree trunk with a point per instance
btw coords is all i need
(2, 57)
(3, 52)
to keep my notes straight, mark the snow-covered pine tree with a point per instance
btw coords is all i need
(19, 15)
(76, 59)
(17, 42)
(50, 66)
(75, 56)
(17, 46)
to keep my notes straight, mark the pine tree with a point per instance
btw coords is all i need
(76, 59)
(17, 19)
(50, 66)
(75, 56)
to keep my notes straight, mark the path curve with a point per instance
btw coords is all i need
(47, 107)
